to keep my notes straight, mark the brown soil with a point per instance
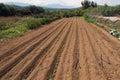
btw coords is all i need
(67, 49)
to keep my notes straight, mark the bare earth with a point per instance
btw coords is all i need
(67, 49)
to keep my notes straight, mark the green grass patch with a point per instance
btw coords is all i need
(92, 20)
(14, 31)
(89, 19)
(19, 28)
(3, 26)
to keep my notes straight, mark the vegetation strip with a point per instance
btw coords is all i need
(19, 28)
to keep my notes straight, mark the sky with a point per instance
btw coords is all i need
(74, 3)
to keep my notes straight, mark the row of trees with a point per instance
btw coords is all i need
(6, 10)
(91, 8)
(104, 10)
(35, 11)
(65, 13)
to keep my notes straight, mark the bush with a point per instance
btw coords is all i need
(45, 20)
(89, 19)
(33, 23)
(3, 26)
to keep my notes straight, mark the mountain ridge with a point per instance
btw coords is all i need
(54, 6)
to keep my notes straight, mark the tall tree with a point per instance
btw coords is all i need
(86, 4)
(4, 11)
(93, 4)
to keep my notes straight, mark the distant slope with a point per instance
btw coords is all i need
(50, 6)
(55, 6)
(17, 4)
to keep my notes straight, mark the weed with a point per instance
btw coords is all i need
(89, 19)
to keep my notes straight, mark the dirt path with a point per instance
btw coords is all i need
(67, 49)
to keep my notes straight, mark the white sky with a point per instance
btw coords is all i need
(74, 3)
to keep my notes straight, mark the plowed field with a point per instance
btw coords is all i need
(67, 49)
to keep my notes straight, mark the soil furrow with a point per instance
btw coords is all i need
(42, 50)
(112, 49)
(83, 71)
(75, 74)
(64, 70)
(98, 60)
(110, 70)
(94, 67)
(86, 58)
(44, 65)
(43, 53)
(14, 62)
(55, 62)
(10, 51)
(107, 37)
(67, 49)
(31, 45)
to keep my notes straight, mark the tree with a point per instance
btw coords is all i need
(4, 11)
(79, 12)
(117, 9)
(93, 4)
(86, 4)
(12, 10)
(35, 9)
(105, 5)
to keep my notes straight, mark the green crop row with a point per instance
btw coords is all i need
(19, 28)
(89, 19)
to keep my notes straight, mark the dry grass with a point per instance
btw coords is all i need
(10, 19)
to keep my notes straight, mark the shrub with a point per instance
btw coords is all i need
(14, 31)
(45, 20)
(33, 23)
(3, 26)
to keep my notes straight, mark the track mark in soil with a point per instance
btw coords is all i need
(76, 65)
(52, 71)
(24, 54)
(42, 53)
(9, 52)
